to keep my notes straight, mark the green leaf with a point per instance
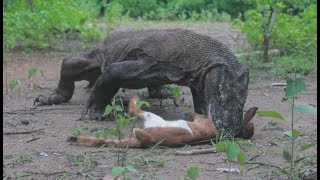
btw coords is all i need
(117, 171)
(118, 108)
(306, 109)
(305, 146)
(193, 172)
(107, 110)
(233, 150)
(286, 155)
(112, 131)
(32, 71)
(122, 123)
(132, 169)
(220, 145)
(146, 103)
(14, 83)
(141, 103)
(272, 114)
(294, 87)
(242, 158)
(292, 133)
(102, 134)
(77, 131)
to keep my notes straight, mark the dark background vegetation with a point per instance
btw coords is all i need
(289, 26)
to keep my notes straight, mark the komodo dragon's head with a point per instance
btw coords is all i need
(226, 98)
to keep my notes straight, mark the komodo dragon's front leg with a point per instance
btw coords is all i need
(129, 74)
(84, 67)
(73, 68)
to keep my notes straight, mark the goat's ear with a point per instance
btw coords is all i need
(249, 115)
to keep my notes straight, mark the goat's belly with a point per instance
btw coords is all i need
(178, 124)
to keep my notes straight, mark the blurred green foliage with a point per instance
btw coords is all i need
(36, 23)
(293, 26)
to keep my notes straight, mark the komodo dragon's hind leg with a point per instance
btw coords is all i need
(128, 74)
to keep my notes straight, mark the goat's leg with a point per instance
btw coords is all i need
(93, 141)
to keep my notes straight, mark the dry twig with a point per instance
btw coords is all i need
(193, 152)
(22, 132)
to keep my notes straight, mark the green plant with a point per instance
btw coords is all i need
(13, 84)
(176, 93)
(293, 88)
(87, 160)
(192, 173)
(122, 121)
(276, 24)
(117, 171)
(31, 73)
(50, 25)
(16, 160)
(77, 131)
(140, 161)
(232, 150)
(85, 164)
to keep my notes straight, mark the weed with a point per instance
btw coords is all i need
(293, 88)
(175, 91)
(122, 121)
(160, 161)
(16, 160)
(192, 173)
(13, 84)
(87, 160)
(77, 131)
(117, 171)
(140, 161)
(156, 146)
(31, 74)
(85, 164)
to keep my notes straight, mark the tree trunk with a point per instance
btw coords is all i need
(266, 41)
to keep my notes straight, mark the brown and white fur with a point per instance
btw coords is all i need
(153, 129)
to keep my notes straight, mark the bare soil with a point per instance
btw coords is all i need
(45, 154)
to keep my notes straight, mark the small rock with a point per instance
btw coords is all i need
(43, 154)
(231, 170)
(25, 122)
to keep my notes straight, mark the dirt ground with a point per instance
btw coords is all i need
(45, 154)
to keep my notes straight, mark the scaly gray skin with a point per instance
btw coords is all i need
(146, 58)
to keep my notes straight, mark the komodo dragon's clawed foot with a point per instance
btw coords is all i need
(95, 112)
(41, 100)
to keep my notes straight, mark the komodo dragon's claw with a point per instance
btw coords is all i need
(37, 99)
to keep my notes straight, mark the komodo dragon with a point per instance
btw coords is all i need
(155, 57)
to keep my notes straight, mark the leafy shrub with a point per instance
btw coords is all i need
(138, 8)
(114, 10)
(295, 34)
(37, 23)
(171, 10)
(235, 8)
